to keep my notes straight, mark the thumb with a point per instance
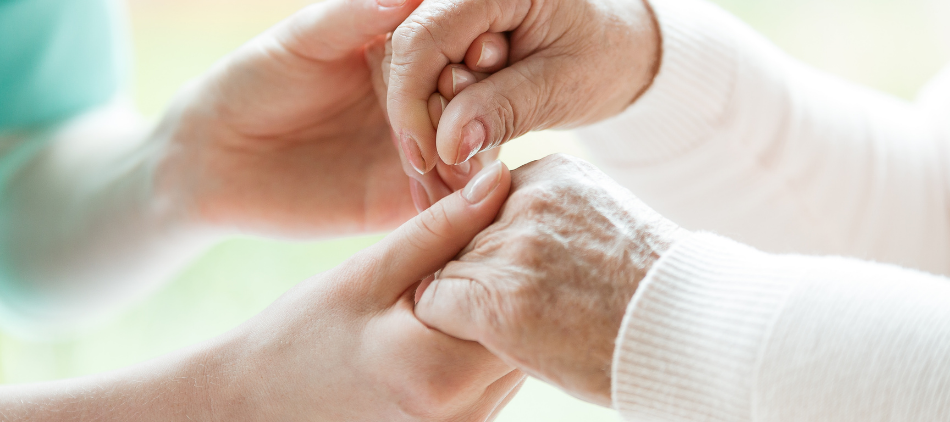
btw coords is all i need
(506, 105)
(424, 244)
(332, 29)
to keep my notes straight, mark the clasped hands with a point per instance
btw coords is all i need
(293, 136)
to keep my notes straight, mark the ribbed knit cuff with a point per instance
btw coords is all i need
(688, 96)
(690, 341)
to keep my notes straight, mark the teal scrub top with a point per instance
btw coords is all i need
(57, 59)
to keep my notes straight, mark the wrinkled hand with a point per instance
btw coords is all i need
(346, 346)
(488, 53)
(545, 287)
(571, 62)
(286, 136)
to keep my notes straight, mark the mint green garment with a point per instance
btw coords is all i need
(57, 58)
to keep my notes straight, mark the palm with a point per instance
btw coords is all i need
(302, 149)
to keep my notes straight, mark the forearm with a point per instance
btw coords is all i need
(719, 331)
(84, 225)
(200, 383)
(735, 136)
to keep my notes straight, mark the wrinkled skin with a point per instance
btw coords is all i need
(571, 62)
(546, 286)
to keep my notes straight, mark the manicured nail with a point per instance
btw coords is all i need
(483, 183)
(390, 3)
(413, 154)
(488, 57)
(419, 196)
(473, 138)
(461, 79)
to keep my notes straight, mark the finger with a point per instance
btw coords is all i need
(511, 394)
(497, 396)
(438, 33)
(489, 53)
(456, 77)
(507, 104)
(426, 189)
(332, 29)
(457, 176)
(375, 55)
(452, 306)
(424, 244)
(437, 104)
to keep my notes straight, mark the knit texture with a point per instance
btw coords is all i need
(691, 339)
(685, 101)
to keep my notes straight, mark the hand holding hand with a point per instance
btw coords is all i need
(286, 136)
(545, 287)
(571, 62)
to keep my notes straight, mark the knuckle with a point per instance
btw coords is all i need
(434, 223)
(565, 160)
(505, 116)
(415, 34)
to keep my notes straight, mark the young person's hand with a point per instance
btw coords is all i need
(286, 136)
(343, 346)
(546, 286)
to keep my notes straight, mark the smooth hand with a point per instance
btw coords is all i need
(571, 62)
(546, 286)
(344, 346)
(286, 136)
(347, 346)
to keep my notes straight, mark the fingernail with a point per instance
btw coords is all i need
(445, 103)
(419, 196)
(473, 138)
(390, 3)
(483, 183)
(487, 57)
(421, 289)
(460, 80)
(463, 169)
(413, 154)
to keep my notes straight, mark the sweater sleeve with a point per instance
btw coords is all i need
(736, 137)
(719, 331)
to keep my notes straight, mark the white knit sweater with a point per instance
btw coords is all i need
(737, 138)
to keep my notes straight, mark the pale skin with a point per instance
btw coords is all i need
(571, 62)
(569, 237)
(556, 270)
(285, 137)
(344, 345)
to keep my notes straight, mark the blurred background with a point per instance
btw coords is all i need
(892, 45)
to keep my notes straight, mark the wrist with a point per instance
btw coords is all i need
(235, 389)
(179, 144)
(648, 49)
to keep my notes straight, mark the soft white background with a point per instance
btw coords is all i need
(893, 45)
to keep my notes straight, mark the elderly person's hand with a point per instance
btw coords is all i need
(488, 53)
(546, 286)
(571, 62)
(344, 346)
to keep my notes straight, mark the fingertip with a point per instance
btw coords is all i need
(437, 104)
(421, 288)
(474, 135)
(488, 53)
(419, 196)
